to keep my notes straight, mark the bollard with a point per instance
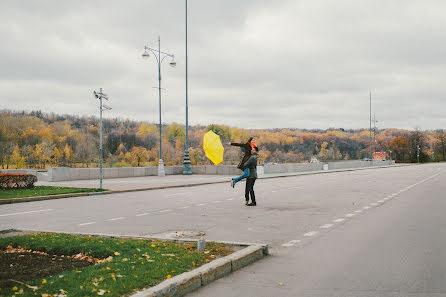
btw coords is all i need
(201, 244)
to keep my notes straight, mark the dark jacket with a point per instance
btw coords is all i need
(252, 165)
(247, 149)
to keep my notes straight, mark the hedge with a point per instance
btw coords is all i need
(17, 180)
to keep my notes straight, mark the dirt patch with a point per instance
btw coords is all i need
(25, 266)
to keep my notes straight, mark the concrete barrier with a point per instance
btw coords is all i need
(67, 174)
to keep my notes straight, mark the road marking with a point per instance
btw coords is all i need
(366, 207)
(358, 211)
(165, 210)
(349, 215)
(309, 234)
(385, 199)
(230, 199)
(338, 220)
(25, 212)
(326, 226)
(142, 214)
(374, 204)
(380, 201)
(201, 204)
(290, 243)
(184, 193)
(216, 201)
(115, 219)
(85, 224)
(184, 207)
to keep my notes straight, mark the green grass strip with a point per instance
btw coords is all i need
(43, 191)
(136, 264)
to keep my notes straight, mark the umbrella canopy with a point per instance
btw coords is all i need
(212, 147)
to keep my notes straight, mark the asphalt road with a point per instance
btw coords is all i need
(377, 232)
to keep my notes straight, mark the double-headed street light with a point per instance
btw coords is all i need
(99, 95)
(160, 56)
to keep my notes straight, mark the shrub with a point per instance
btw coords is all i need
(17, 180)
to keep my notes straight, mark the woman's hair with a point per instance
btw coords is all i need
(250, 138)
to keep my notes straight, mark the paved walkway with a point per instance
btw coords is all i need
(147, 182)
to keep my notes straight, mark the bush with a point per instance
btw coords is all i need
(17, 180)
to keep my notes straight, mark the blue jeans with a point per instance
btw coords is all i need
(244, 175)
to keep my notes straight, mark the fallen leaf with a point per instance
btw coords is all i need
(101, 292)
(281, 284)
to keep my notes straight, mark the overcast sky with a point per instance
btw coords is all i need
(252, 63)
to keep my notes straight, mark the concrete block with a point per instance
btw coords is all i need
(246, 256)
(111, 172)
(42, 176)
(211, 169)
(214, 270)
(139, 171)
(94, 173)
(59, 174)
(179, 285)
(80, 173)
(125, 172)
(150, 171)
(198, 169)
(260, 171)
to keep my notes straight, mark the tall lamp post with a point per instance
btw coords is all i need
(160, 56)
(99, 95)
(187, 170)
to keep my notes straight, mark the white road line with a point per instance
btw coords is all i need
(338, 220)
(115, 219)
(366, 207)
(216, 201)
(85, 224)
(185, 193)
(309, 234)
(142, 214)
(184, 207)
(201, 204)
(358, 211)
(385, 199)
(230, 199)
(374, 204)
(380, 201)
(326, 226)
(349, 215)
(165, 210)
(290, 243)
(25, 212)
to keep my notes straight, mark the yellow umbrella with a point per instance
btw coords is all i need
(212, 147)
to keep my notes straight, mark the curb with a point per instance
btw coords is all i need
(40, 198)
(188, 282)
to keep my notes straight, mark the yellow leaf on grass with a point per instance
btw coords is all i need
(101, 292)
(43, 281)
(117, 254)
(169, 276)
(281, 284)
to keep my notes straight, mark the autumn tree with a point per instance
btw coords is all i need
(400, 148)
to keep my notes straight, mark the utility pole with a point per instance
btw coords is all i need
(370, 125)
(99, 95)
(374, 133)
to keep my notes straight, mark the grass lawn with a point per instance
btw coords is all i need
(122, 265)
(43, 191)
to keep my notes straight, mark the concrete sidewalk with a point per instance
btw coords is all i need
(154, 182)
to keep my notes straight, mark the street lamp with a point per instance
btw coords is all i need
(186, 163)
(160, 56)
(99, 95)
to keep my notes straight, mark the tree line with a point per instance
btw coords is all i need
(40, 140)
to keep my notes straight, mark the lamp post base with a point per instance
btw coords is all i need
(187, 170)
(161, 171)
